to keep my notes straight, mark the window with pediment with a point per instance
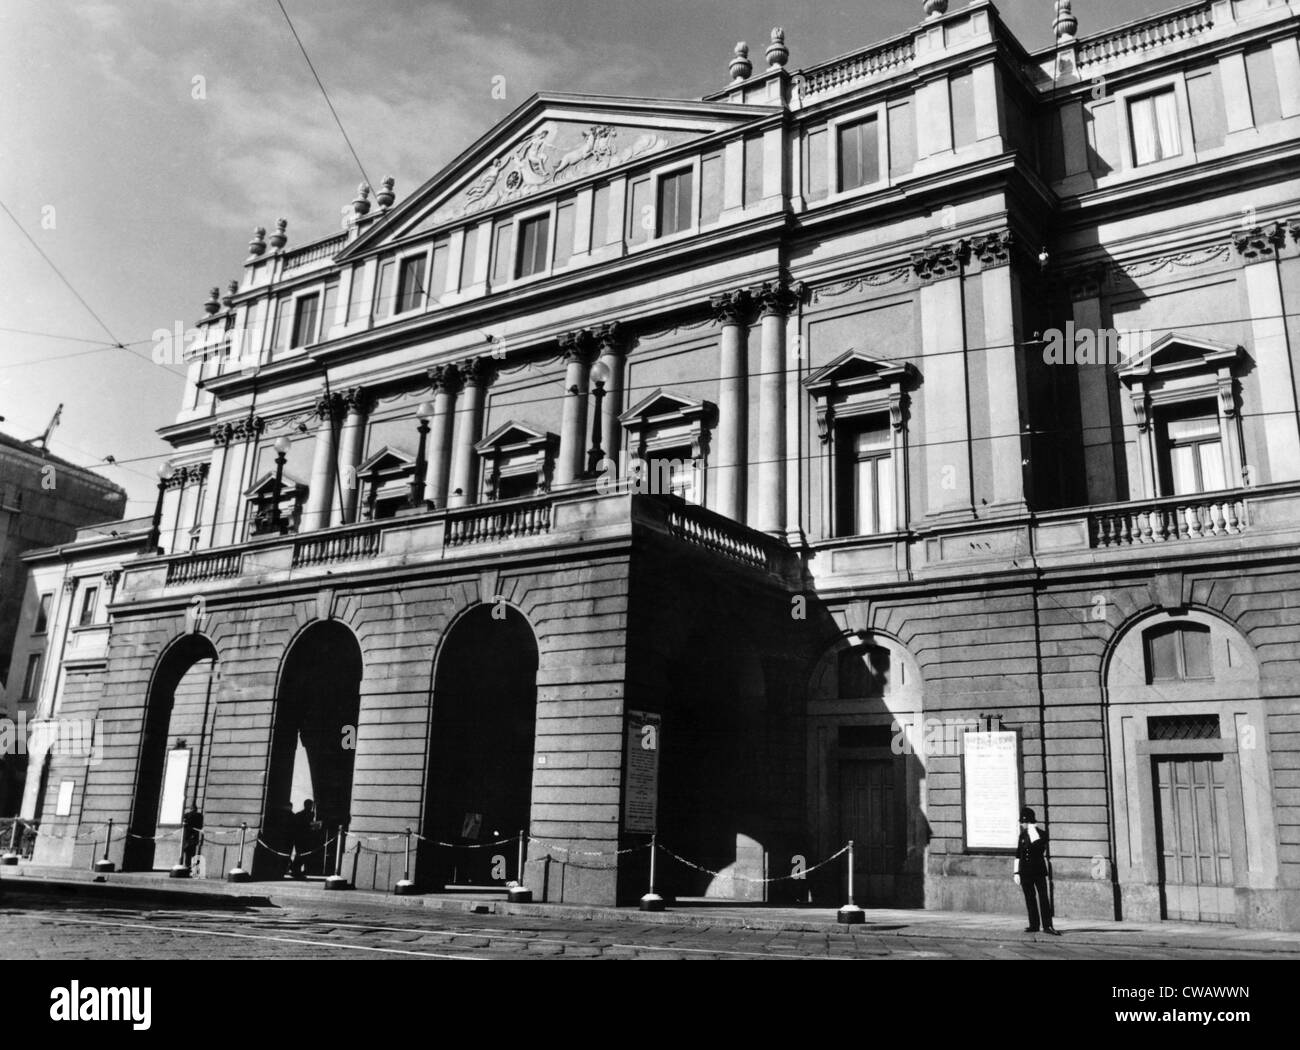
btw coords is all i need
(1183, 395)
(384, 481)
(861, 404)
(518, 461)
(668, 445)
(262, 500)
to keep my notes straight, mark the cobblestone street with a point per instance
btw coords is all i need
(48, 924)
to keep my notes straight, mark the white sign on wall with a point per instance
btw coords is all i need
(172, 808)
(991, 790)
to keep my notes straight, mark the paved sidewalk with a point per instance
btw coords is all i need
(899, 922)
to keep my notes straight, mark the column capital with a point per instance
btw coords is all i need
(355, 400)
(939, 261)
(731, 307)
(243, 429)
(611, 338)
(993, 249)
(478, 371)
(577, 345)
(110, 577)
(444, 378)
(1261, 242)
(776, 298)
(327, 406)
(1086, 282)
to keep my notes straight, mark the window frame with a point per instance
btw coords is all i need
(1164, 445)
(879, 113)
(851, 426)
(44, 607)
(403, 260)
(89, 605)
(32, 677)
(1128, 152)
(1179, 631)
(656, 175)
(543, 215)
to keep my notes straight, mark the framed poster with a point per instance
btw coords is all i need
(641, 780)
(990, 791)
(63, 805)
(172, 807)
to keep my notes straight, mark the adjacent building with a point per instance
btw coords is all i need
(940, 388)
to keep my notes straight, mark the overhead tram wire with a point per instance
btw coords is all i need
(333, 111)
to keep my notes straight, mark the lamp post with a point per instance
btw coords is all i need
(599, 377)
(282, 446)
(424, 413)
(165, 472)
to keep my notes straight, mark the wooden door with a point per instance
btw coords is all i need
(1194, 840)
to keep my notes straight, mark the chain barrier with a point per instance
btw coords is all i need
(749, 878)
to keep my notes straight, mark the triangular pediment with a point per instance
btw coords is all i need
(386, 460)
(516, 436)
(550, 142)
(662, 406)
(266, 485)
(853, 368)
(1174, 352)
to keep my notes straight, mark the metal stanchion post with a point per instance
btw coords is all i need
(652, 901)
(337, 881)
(519, 894)
(404, 884)
(104, 866)
(851, 914)
(12, 856)
(180, 870)
(237, 873)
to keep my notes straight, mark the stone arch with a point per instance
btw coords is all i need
(1188, 767)
(867, 742)
(180, 702)
(482, 731)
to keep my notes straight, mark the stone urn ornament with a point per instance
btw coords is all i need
(777, 53)
(214, 301)
(258, 244)
(280, 237)
(385, 197)
(741, 66)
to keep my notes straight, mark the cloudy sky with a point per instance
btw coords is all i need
(141, 142)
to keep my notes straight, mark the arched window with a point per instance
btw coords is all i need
(1176, 652)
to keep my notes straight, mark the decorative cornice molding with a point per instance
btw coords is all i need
(1260, 242)
(240, 430)
(994, 249)
(879, 279)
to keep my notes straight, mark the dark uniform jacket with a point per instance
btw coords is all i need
(1032, 855)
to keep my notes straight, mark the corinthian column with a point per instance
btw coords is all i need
(446, 381)
(351, 440)
(469, 421)
(577, 347)
(775, 301)
(611, 343)
(320, 491)
(729, 462)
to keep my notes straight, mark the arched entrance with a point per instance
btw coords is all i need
(480, 771)
(313, 745)
(172, 773)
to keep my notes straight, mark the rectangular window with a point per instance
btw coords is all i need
(31, 681)
(410, 284)
(43, 614)
(671, 471)
(89, 604)
(640, 217)
(1191, 454)
(304, 321)
(1154, 123)
(866, 479)
(534, 243)
(859, 154)
(565, 215)
(329, 307)
(283, 314)
(676, 196)
(516, 486)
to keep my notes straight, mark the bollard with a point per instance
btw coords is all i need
(851, 914)
(519, 894)
(237, 873)
(404, 884)
(652, 901)
(11, 857)
(337, 881)
(104, 866)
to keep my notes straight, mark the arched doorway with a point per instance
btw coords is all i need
(480, 773)
(313, 744)
(174, 748)
(1189, 769)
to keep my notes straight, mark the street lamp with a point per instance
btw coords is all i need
(282, 446)
(165, 472)
(424, 413)
(599, 377)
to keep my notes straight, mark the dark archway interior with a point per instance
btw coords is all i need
(481, 746)
(192, 660)
(319, 702)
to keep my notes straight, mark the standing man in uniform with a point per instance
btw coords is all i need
(1032, 870)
